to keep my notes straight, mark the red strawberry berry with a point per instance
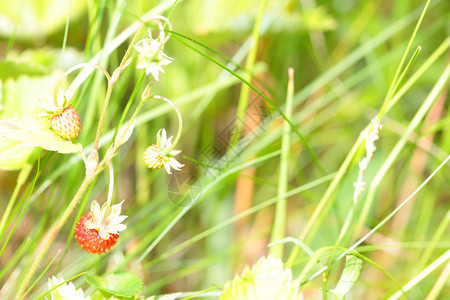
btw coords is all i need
(90, 240)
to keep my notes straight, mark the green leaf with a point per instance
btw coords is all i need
(118, 284)
(351, 272)
(13, 155)
(31, 132)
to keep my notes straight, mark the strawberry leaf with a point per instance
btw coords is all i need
(32, 132)
(117, 284)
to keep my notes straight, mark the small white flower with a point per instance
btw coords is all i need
(370, 136)
(67, 291)
(363, 163)
(359, 185)
(151, 57)
(266, 280)
(161, 155)
(106, 220)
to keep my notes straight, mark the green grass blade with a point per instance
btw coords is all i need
(24, 172)
(434, 94)
(396, 80)
(422, 275)
(385, 220)
(244, 94)
(294, 128)
(279, 223)
(40, 275)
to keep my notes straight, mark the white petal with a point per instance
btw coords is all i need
(95, 209)
(154, 72)
(167, 58)
(104, 234)
(141, 65)
(49, 97)
(167, 167)
(140, 46)
(68, 94)
(155, 47)
(175, 164)
(174, 152)
(162, 138)
(168, 144)
(118, 220)
(60, 98)
(104, 212)
(116, 228)
(91, 225)
(115, 209)
(54, 281)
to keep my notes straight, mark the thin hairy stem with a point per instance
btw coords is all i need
(51, 234)
(180, 120)
(111, 84)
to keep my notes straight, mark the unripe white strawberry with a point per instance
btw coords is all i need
(162, 154)
(63, 118)
(153, 158)
(67, 124)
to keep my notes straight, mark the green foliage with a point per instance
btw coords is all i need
(31, 19)
(116, 284)
(350, 275)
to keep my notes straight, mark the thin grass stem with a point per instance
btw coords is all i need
(279, 224)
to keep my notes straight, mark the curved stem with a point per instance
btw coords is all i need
(87, 64)
(122, 65)
(79, 66)
(110, 87)
(180, 120)
(161, 28)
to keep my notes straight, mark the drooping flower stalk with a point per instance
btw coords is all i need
(162, 153)
(111, 84)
